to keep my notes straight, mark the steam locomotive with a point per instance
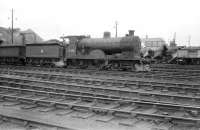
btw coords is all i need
(121, 53)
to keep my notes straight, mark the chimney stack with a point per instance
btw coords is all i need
(131, 32)
(106, 35)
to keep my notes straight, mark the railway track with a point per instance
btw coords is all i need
(116, 96)
(154, 67)
(103, 91)
(10, 123)
(175, 66)
(102, 80)
(117, 105)
(155, 74)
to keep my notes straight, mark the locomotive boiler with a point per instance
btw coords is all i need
(112, 45)
(106, 52)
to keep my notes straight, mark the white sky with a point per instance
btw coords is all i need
(155, 18)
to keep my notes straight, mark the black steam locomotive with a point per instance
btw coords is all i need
(122, 53)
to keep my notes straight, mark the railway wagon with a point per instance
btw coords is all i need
(190, 55)
(12, 54)
(44, 53)
(104, 53)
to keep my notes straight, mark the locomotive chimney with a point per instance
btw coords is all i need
(131, 32)
(106, 35)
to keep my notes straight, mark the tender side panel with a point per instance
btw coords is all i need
(10, 52)
(44, 51)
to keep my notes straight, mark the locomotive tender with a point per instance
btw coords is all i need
(43, 53)
(14, 54)
(82, 52)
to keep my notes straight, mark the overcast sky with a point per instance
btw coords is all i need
(155, 18)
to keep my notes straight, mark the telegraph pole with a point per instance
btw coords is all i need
(174, 39)
(116, 27)
(12, 27)
(189, 39)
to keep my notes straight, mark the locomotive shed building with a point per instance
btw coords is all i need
(153, 43)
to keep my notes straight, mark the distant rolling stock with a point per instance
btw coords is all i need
(189, 55)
